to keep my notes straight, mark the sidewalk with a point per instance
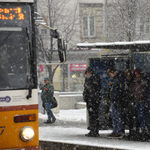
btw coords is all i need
(70, 128)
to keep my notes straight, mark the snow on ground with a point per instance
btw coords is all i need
(74, 115)
(75, 132)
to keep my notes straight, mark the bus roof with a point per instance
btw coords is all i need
(18, 1)
(144, 45)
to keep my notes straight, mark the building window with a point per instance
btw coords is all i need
(88, 26)
(147, 25)
(143, 26)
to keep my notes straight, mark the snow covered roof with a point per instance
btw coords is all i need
(117, 45)
(90, 2)
(27, 1)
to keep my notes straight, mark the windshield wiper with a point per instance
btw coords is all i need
(30, 81)
(5, 39)
(10, 30)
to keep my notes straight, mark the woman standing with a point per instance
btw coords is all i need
(47, 98)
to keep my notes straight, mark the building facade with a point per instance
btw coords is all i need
(91, 16)
(69, 77)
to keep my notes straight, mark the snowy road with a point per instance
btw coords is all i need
(70, 127)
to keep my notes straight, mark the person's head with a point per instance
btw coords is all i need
(128, 74)
(112, 72)
(88, 74)
(46, 80)
(89, 71)
(137, 72)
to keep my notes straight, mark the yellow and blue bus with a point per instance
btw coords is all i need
(18, 76)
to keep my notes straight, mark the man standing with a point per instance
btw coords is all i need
(129, 111)
(139, 92)
(91, 95)
(47, 98)
(116, 95)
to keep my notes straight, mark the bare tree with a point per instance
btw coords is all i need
(62, 15)
(124, 20)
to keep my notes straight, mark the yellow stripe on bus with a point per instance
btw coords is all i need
(10, 137)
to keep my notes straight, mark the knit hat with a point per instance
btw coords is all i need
(46, 79)
(137, 71)
(89, 69)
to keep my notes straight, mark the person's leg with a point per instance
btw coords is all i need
(95, 117)
(51, 113)
(93, 121)
(118, 116)
(131, 120)
(141, 116)
(89, 122)
(47, 107)
(114, 124)
(124, 117)
(142, 121)
(148, 115)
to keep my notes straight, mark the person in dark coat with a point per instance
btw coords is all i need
(47, 99)
(128, 111)
(92, 97)
(139, 92)
(116, 95)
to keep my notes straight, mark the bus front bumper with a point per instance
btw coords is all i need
(26, 148)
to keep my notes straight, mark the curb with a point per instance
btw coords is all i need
(48, 145)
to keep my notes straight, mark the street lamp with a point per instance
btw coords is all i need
(55, 34)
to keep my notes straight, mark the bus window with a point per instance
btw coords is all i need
(15, 47)
(14, 60)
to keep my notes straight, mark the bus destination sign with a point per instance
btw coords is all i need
(11, 13)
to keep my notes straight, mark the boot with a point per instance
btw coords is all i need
(48, 122)
(92, 134)
(54, 119)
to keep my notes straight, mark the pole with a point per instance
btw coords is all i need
(132, 59)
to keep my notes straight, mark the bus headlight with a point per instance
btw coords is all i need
(27, 133)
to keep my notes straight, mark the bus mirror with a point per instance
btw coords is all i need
(61, 50)
(54, 34)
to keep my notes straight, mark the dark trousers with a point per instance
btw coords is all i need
(116, 116)
(140, 108)
(147, 107)
(49, 112)
(129, 118)
(93, 117)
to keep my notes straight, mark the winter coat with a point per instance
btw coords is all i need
(139, 89)
(129, 84)
(92, 90)
(47, 93)
(128, 98)
(117, 89)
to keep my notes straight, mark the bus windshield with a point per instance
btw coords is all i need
(14, 60)
(15, 49)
